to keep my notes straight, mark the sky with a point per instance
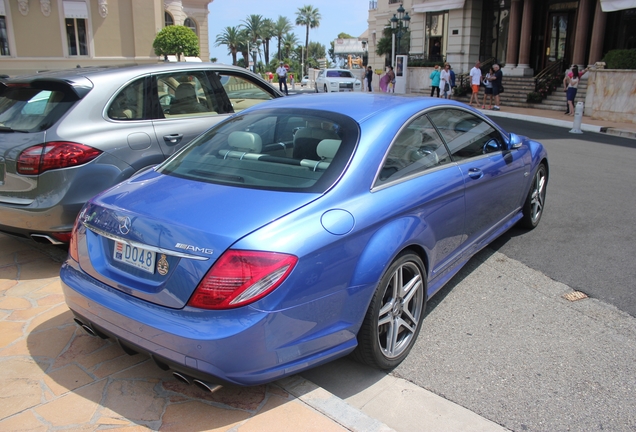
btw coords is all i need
(348, 16)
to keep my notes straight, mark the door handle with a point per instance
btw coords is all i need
(475, 173)
(173, 138)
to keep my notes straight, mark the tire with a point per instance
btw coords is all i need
(326, 91)
(535, 201)
(398, 304)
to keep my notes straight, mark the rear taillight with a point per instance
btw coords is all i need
(241, 277)
(54, 155)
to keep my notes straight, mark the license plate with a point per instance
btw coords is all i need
(135, 256)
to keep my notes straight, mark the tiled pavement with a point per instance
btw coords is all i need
(54, 376)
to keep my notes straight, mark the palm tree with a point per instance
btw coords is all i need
(244, 45)
(309, 17)
(281, 27)
(289, 42)
(254, 27)
(267, 33)
(231, 36)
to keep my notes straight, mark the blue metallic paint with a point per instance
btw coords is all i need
(315, 315)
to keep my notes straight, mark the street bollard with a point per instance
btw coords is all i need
(578, 118)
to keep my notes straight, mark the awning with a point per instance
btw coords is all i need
(437, 5)
(75, 9)
(616, 5)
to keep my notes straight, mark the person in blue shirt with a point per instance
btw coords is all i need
(452, 82)
(435, 76)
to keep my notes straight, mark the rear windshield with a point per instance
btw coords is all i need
(290, 150)
(27, 109)
(339, 74)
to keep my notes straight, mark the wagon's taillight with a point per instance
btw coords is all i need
(241, 277)
(54, 155)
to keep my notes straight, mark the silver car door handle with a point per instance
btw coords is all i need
(475, 173)
(172, 139)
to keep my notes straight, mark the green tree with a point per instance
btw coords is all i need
(254, 27)
(231, 37)
(289, 42)
(281, 28)
(309, 17)
(176, 40)
(267, 33)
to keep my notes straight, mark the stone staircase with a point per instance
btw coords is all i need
(516, 93)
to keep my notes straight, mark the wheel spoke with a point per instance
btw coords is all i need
(401, 310)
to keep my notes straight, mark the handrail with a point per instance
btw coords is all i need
(548, 74)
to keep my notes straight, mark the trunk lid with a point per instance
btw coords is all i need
(156, 236)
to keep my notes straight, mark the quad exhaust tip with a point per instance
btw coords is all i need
(203, 385)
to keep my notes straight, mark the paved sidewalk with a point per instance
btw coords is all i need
(54, 376)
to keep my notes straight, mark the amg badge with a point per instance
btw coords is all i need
(194, 248)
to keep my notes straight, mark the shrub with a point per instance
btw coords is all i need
(620, 59)
(534, 97)
(176, 40)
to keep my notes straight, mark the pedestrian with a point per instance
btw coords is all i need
(391, 75)
(452, 82)
(434, 76)
(444, 82)
(497, 86)
(488, 91)
(571, 84)
(475, 81)
(369, 77)
(282, 77)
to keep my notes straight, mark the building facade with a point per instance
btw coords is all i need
(58, 34)
(526, 36)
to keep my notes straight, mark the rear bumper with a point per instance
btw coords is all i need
(241, 346)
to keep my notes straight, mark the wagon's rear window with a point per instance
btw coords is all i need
(292, 150)
(27, 109)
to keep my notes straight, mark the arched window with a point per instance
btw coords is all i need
(189, 22)
(168, 20)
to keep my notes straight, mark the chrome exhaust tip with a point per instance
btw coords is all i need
(207, 386)
(181, 377)
(42, 238)
(86, 328)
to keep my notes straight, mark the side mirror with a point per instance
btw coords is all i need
(514, 142)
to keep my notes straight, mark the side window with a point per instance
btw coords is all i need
(242, 92)
(417, 148)
(185, 94)
(129, 102)
(466, 135)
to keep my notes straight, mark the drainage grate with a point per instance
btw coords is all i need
(574, 296)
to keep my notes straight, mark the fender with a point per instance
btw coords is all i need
(386, 243)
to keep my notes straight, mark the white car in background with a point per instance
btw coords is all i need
(304, 81)
(337, 80)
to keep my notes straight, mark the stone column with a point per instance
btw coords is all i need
(598, 32)
(526, 37)
(582, 32)
(514, 31)
(512, 53)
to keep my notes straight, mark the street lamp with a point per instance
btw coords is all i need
(399, 22)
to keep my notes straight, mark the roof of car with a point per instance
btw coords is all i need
(133, 69)
(359, 105)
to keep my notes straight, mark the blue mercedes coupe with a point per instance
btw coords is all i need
(298, 231)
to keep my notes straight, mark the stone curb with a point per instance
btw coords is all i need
(331, 406)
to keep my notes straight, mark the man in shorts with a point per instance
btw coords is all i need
(496, 85)
(475, 80)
